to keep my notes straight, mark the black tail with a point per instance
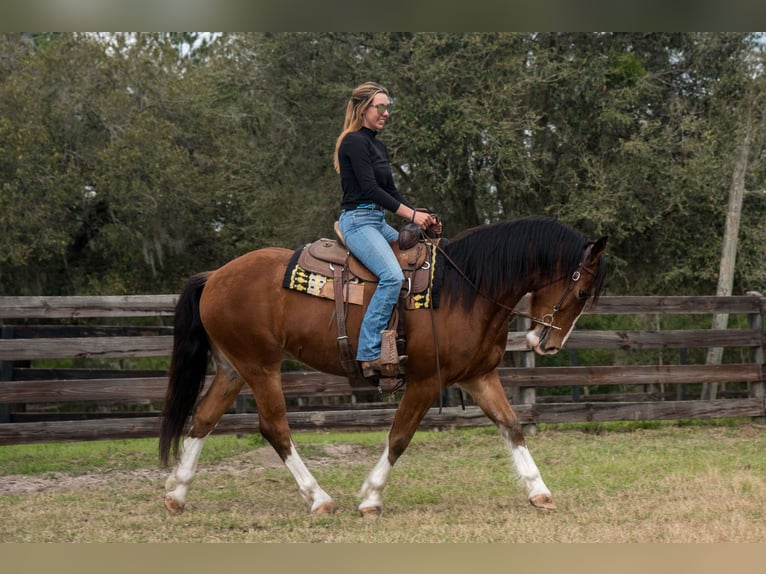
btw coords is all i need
(188, 367)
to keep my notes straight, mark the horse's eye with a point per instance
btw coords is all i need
(582, 295)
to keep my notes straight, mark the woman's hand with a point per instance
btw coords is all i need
(436, 226)
(423, 219)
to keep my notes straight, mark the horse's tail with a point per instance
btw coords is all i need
(188, 367)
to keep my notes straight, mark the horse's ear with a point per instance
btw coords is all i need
(596, 248)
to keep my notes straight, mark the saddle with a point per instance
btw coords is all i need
(326, 256)
(331, 258)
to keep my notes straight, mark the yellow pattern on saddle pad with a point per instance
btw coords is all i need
(305, 282)
(299, 279)
(318, 285)
(425, 298)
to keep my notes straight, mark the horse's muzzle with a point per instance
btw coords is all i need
(537, 342)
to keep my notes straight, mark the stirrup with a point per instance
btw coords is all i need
(388, 386)
(378, 370)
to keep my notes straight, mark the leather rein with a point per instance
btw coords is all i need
(547, 319)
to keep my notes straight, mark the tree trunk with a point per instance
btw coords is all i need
(728, 253)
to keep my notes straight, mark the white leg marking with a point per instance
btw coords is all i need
(177, 484)
(528, 472)
(372, 489)
(526, 468)
(307, 484)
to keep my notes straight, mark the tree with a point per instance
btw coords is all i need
(103, 142)
(745, 108)
(146, 162)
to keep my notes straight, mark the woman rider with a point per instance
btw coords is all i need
(368, 186)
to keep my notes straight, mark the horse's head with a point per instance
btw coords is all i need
(557, 304)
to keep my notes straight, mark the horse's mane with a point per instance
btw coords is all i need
(493, 257)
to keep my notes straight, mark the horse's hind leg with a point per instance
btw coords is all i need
(272, 419)
(219, 397)
(488, 393)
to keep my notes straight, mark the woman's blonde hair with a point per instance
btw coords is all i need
(361, 97)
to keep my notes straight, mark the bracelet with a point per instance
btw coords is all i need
(414, 211)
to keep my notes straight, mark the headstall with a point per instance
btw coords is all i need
(547, 319)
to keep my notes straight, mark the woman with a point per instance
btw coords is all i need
(368, 189)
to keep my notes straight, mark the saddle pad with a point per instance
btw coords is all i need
(298, 279)
(307, 274)
(426, 283)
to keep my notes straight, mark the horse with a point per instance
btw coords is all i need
(242, 316)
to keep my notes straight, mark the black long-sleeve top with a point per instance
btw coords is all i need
(365, 172)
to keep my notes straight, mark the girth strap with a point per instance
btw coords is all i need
(347, 359)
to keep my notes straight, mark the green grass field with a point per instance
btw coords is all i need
(651, 482)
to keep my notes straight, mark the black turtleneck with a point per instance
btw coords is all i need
(365, 172)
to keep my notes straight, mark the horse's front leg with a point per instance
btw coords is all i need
(416, 401)
(487, 392)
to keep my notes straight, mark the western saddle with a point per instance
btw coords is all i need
(331, 258)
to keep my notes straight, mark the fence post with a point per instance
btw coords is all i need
(758, 390)
(240, 407)
(683, 354)
(574, 388)
(528, 395)
(6, 374)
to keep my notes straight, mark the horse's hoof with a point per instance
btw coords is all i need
(174, 507)
(371, 511)
(326, 508)
(543, 502)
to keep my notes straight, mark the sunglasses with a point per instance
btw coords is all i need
(382, 108)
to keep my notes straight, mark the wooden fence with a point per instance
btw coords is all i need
(39, 332)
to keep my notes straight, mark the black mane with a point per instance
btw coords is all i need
(499, 256)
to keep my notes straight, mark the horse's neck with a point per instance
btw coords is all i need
(489, 318)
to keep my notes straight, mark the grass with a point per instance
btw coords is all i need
(77, 458)
(619, 482)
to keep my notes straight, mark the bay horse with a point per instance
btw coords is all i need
(242, 316)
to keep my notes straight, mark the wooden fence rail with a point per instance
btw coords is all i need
(56, 328)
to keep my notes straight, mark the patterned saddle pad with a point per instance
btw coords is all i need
(311, 270)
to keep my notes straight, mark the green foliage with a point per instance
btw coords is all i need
(131, 161)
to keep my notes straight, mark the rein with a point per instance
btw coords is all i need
(548, 324)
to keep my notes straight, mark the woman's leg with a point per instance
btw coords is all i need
(367, 236)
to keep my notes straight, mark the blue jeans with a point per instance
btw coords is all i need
(368, 237)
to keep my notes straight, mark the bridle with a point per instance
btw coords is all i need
(546, 320)
(573, 279)
(547, 325)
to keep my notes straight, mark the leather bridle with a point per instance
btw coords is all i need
(546, 320)
(547, 325)
(573, 279)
